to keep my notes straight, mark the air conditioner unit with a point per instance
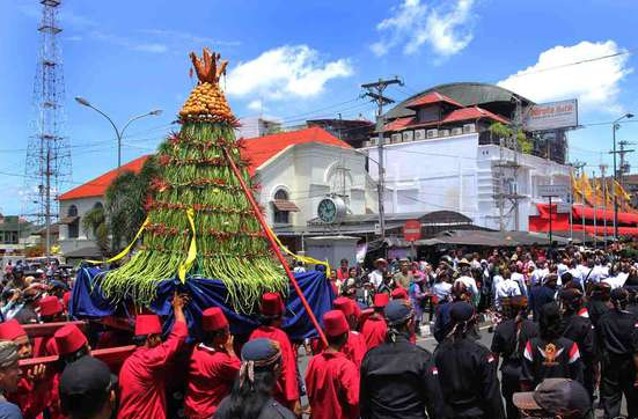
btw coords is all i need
(469, 128)
(373, 141)
(432, 133)
(366, 144)
(419, 134)
(397, 138)
(457, 131)
(444, 133)
(408, 136)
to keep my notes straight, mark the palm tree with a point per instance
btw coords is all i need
(94, 222)
(125, 199)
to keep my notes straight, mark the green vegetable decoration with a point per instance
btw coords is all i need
(199, 220)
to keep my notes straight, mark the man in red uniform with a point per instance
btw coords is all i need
(213, 367)
(142, 375)
(272, 309)
(375, 328)
(51, 310)
(355, 347)
(33, 389)
(332, 379)
(71, 345)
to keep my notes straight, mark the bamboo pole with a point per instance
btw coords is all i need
(274, 247)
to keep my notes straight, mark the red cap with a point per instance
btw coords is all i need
(69, 339)
(50, 306)
(272, 305)
(335, 323)
(11, 330)
(66, 298)
(344, 304)
(399, 294)
(147, 324)
(381, 300)
(213, 319)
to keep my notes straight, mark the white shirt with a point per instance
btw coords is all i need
(538, 275)
(520, 279)
(504, 289)
(469, 283)
(376, 278)
(561, 268)
(442, 290)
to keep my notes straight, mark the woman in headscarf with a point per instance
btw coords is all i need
(252, 394)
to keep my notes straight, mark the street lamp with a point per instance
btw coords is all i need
(119, 133)
(615, 126)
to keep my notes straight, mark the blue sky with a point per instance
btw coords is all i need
(304, 59)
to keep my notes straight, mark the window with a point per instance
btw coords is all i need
(74, 226)
(279, 216)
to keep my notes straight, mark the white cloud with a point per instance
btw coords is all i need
(125, 42)
(285, 71)
(592, 82)
(256, 106)
(446, 29)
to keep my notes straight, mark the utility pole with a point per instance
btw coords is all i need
(624, 167)
(576, 166)
(603, 170)
(375, 91)
(614, 127)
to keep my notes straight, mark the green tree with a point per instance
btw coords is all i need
(95, 225)
(125, 199)
(502, 131)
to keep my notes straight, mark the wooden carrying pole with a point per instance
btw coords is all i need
(274, 247)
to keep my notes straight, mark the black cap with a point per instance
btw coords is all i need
(398, 312)
(87, 375)
(461, 311)
(556, 396)
(619, 294)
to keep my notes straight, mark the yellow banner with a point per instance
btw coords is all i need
(304, 259)
(126, 250)
(192, 251)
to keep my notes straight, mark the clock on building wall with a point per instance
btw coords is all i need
(331, 210)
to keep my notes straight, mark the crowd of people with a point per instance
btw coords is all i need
(565, 340)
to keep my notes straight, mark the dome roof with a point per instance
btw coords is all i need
(467, 94)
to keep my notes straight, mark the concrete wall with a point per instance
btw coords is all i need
(309, 172)
(83, 205)
(430, 175)
(456, 174)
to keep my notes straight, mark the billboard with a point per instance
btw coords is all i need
(554, 115)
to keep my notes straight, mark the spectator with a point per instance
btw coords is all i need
(9, 379)
(87, 390)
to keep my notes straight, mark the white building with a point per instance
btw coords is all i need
(440, 155)
(295, 170)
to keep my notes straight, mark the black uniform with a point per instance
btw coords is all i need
(271, 410)
(580, 330)
(558, 358)
(400, 380)
(508, 342)
(618, 336)
(596, 309)
(469, 381)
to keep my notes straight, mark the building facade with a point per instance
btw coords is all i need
(443, 153)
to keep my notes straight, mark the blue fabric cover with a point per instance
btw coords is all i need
(88, 302)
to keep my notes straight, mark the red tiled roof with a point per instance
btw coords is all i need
(458, 115)
(474, 113)
(432, 98)
(258, 151)
(98, 186)
(261, 149)
(399, 123)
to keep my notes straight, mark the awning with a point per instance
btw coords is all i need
(285, 205)
(69, 220)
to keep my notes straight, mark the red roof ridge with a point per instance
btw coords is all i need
(432, 98)
(98, 186)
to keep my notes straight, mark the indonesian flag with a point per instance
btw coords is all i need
(574, 354)
(528, 352)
